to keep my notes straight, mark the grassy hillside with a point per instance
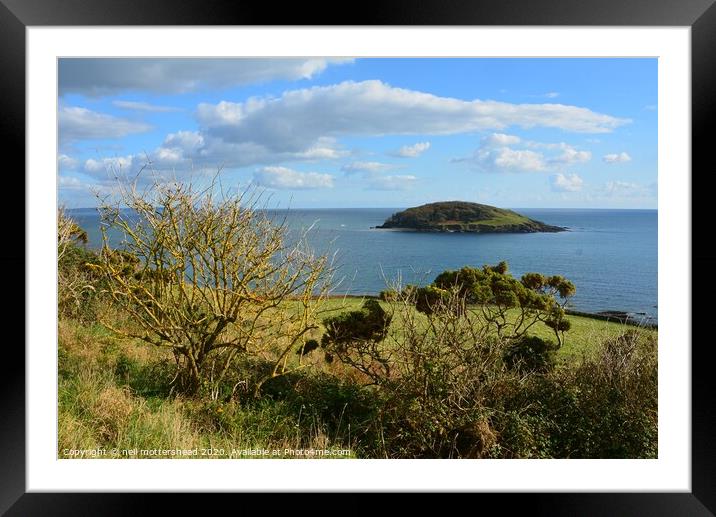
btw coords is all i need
(114, 393)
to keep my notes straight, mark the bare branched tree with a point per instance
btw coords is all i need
(211, 276)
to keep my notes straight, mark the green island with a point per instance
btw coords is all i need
(465, 217)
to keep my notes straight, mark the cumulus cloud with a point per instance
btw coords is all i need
(296, 119)
(107, 76)
(617, 158)
(397, 182)
(283, 178)
(77, 123)
(566, 182)
(506, 159)
(570, 155)
(66, 162)
(412, 151)
(498, 152)
(143, 106)
(117, 164)
(367, 167)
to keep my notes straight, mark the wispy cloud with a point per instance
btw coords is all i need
(77, 123)
(397, 182)
(144, 106)
(370, 167)
(628, 189)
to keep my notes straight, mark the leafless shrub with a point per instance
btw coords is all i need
(215, 277)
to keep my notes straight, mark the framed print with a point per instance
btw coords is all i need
(450, 249)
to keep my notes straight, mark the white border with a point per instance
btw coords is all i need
(670, 472)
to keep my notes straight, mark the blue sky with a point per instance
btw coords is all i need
(386, 132)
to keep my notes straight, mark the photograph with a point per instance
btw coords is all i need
(357, 258)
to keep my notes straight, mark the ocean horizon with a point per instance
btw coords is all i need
(609, 254)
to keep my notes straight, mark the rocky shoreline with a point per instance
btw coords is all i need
(532, 227)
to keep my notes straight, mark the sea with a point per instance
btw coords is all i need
(610, 255)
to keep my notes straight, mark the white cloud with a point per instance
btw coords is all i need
(144, 106)
(77, 123)
(369, 167)
(118, 164)
(551, 95)
(398, 182)
(70, 183)
(67, 162)
(617, 158)
(324, 149)
(570, 155)
(496, 155)
(106, 76)
(413, 151)
(500, 140)
(188, 141)
(283, 178)
(566, 183)
(516, 160)
(296, 119)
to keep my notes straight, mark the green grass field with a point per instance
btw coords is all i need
(580, 340)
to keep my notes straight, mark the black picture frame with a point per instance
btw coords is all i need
(700, 15)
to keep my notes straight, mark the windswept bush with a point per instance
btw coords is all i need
(535, 298)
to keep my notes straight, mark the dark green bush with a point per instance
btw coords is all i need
(530, 354)
(430, 299)
(370, 323)
(389, 295)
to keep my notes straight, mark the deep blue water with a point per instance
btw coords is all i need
(610, 255)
